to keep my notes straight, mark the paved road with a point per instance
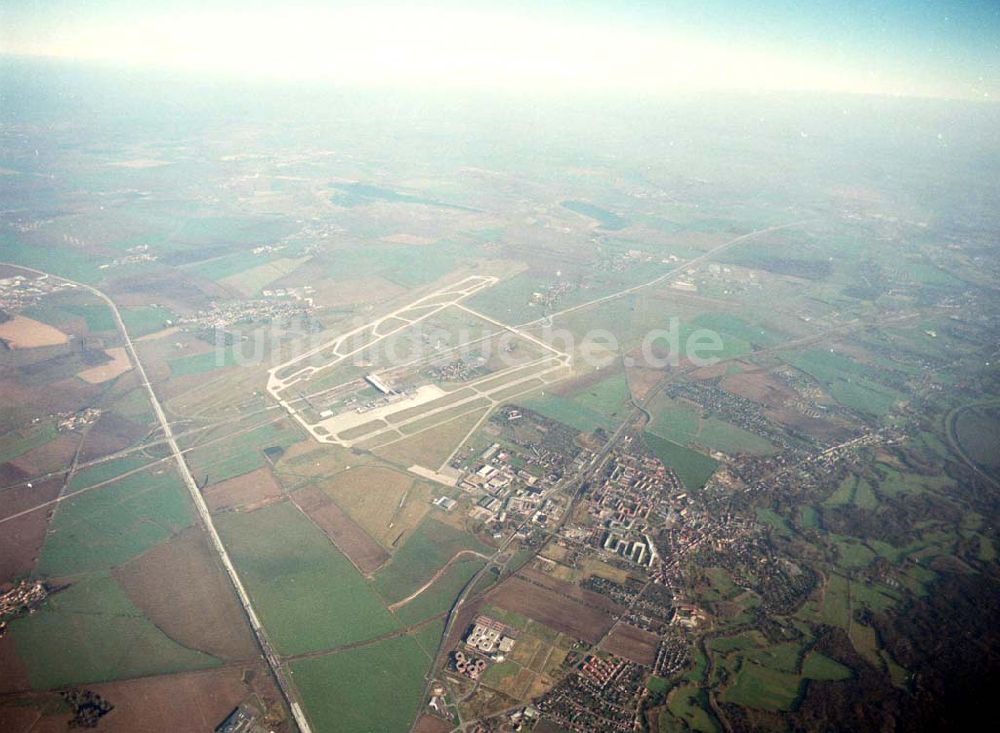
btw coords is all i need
(206, 518)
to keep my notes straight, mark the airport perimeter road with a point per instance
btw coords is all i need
(199, 502)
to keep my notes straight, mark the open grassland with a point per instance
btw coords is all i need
(977, 430)
(306, 592)
(763, 688)
(569, 411)
(104, 472)
(210, 361)
(439, 597)
(17, 442)
(818, 666)
(692, 468)
(430, 448)
(422, 555)
(384, 501)
(849, 381)
(91, 632)
(387, 702)
(66, 261)
(689, 703)
(107, 526)
(180, 586)
(682, 422)
(608, 396)
(242, 453)
(143, 320)
(733, 326)
(407, 266)
(249, 282)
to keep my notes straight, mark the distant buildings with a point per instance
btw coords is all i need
(443, 502)
(377, 383)
(489, 636)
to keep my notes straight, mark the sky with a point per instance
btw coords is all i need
(945, 49)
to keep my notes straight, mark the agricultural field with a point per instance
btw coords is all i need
(423, 553)
(359, 547)
(552, 607)
(684, 423)
(441, 594)
(373, 325)
(393, 670)
(692, 468)
(306, 592)
(385, 502)
(100, 529)
(91, 632)
(181, 588)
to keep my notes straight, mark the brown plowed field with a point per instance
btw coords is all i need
(194, 701)
(65, 395)
(575, 592)
(21, 539)
(179, 586)
(367, 554)
(51, 456)
(633, 644)
(249, 489)
(759, 386)
(13, 673)
(110, 434)
(553, 609)
(430, 724)
(16, 718)
(26, 333)
(119, 364)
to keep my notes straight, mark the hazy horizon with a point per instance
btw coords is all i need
(943, 49)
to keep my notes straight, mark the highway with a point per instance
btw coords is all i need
(206, 518)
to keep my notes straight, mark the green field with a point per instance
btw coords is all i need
(607, 219)
(603, 404)
(763, 688)
(308, 595)
(104, 472)
(569, 412)
(98, 316)
(239, 455)
(408, 266)
(65, 261)
(423, 553)
(732, 326)
(91, 632)
(18, 442)
(690, 703)
(143, 320)
(210, 361)
(439, 597)
(820, 667)
(849, 381)
(429, 636)
(105, 527)
(692, 468)
(387, 702)
(682, 422)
